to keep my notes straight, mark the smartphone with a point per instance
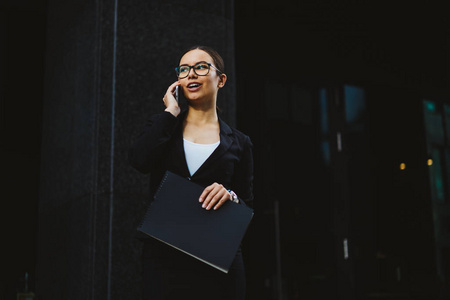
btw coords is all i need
(177, 93)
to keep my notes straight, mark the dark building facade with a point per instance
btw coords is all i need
(347, 105)
(108, 65)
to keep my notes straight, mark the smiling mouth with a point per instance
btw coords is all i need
(193, 85)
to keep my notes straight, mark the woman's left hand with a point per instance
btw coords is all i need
(214, 195)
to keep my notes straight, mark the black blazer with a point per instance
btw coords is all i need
(160, 148)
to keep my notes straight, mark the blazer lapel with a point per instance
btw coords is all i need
(179, 155)
(225, 144)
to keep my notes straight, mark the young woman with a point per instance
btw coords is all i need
(197, 145)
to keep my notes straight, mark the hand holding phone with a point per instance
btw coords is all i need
(171, 99)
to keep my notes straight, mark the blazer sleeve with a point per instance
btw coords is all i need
(150, 145)
(243, 175)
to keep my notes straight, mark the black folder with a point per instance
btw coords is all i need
(177, 218)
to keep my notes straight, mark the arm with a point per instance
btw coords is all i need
(148, 148)
(216, 194)
(243, 175)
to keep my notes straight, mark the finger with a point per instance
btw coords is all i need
(205, 193)
(224, 198)
(172, 87)
(221, 194)
(169, 97)
(213, 192)
(216, 198)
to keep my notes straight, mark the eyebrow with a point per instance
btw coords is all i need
(197, 63)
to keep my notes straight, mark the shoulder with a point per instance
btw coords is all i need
(238, 137)
(241, 137)
(163, 118)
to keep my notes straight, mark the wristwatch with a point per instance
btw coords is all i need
(233, 197)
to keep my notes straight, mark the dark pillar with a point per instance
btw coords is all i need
(108, 65)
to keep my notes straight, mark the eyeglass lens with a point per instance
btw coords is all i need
(200, 69)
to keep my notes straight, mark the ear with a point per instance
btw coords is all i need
(222, 81)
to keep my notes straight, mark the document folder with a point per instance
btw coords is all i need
(177, 218)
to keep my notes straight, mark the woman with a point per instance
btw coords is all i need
(197, 145)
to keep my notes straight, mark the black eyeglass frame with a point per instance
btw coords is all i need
(193, 67)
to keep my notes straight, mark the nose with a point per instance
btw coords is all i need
(192, 73)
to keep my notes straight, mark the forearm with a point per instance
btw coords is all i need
(150, 145)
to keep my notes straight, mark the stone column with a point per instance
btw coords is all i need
(108, 65)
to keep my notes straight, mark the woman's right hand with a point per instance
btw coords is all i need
(169, 100)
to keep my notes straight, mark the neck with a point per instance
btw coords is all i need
(202, 116)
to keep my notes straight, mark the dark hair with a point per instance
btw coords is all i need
(217, 59)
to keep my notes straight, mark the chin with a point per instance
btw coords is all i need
(194, 98)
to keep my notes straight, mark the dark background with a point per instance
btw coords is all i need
(22, 47)
(397, 53)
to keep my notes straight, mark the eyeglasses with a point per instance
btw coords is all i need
(201, 69)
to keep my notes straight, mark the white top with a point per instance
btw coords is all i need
(197, 154)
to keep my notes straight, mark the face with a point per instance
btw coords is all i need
(200, 88)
